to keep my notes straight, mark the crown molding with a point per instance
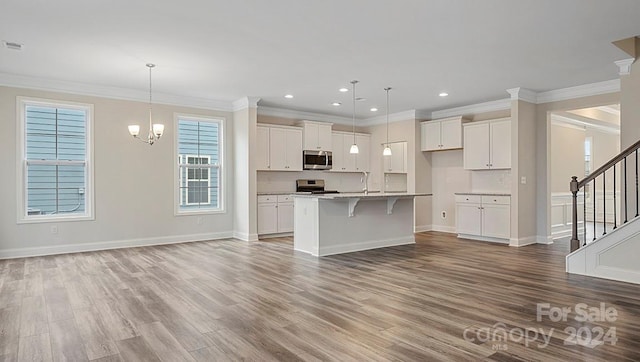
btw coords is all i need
(52, 85)
(523, 94)
(491, 106)
(564, 118)
(245, 102)
(586, 90)
(303, 115)
(393, 117)
(624, 66)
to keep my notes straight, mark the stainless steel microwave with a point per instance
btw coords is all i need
(317, 160)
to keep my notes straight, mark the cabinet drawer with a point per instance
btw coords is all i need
(266, 199)
(285, 198)
(468, 199)
(497, 200)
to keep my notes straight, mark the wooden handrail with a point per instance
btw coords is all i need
(629, 150)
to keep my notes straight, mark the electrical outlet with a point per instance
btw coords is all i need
(523, 180)
(54, 229)
(443, 215)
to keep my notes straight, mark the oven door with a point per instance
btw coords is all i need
(317, 160)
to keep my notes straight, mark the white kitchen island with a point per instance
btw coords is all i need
(342, 223)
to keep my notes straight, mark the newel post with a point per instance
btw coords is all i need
(573, 186)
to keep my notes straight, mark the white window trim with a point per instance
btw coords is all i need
(21, 162)
(220, 166)
(209, 168)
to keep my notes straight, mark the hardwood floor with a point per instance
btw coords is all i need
(231, 300)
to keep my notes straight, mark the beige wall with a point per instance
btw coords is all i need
(567, 156)
(133, 182)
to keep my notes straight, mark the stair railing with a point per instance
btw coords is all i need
(619, 162)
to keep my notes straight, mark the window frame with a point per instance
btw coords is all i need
(208, 179)
(220, 166)
(21, 162)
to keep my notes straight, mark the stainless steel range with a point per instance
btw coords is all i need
(312, 187)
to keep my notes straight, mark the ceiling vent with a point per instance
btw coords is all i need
(12, 45)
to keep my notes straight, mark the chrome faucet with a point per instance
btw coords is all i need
(365, 179)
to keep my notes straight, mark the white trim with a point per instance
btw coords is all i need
(483, 238)
(245, 236)
(546, 240)
(523, 94)
(375, 244)
(569, 120)
(52, 85)
(21, 162)
(107, 245)
(244, 103)
(302, 115)
(444, 229)
(491, 106)
(221, 165)
(423, 228)
(518, 242)
(395, 117)
(274, 235)
(586, 90)
(624, 66)
(609, 109)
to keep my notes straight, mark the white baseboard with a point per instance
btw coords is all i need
(483, 238)
(444, 229)
(106, 245)
(423, 228)
(277, 235)
(547, 240)
(348, 248)
(518, 242)
(245, 236)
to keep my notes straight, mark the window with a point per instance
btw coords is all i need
(587, 155)
(55, 182)
(199, 152)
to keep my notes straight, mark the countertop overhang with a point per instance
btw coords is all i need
(362, 195)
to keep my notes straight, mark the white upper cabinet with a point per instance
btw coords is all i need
(444, 134)
(343, 160)
(279, 148)
(487, 145)
(262, 151)
(397, 162)
(317, 136)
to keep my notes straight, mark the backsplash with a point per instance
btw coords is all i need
(275, 181)
(491, 181)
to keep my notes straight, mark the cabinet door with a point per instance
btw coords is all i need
(262, 143)
(310, 141)
(397, 162)
(337, 139)
(364, 147)
(278, 149)
(476, 147)
(325, 137)
(285, 217)
(430, 136)
(500, 150)
(293, 153)
(349, 158)
(496, 221)
(451, 134)
(267, 218)
(469, 219)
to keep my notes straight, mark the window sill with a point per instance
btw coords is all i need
(199, 212)
(41, 220)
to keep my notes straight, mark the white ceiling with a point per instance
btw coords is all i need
(225, 50)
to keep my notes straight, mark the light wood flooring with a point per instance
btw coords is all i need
(231, 300)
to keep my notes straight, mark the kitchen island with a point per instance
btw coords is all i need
(346, 222)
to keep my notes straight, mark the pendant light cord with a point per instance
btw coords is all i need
(387, 89)
(354, 110)
(150, 93)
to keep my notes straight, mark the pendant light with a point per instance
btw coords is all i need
(387, 149)
(354, 146)
(155, 130)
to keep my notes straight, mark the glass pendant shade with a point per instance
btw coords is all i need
(386, 151)
(134, 130)
(158, 129)
(354, 148)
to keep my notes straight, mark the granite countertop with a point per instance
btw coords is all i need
(361, 195)
(482, 193)
(276, 193)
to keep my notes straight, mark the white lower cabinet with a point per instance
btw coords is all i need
(275, 214)
(484, 217)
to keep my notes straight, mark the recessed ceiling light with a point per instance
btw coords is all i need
(336, 104)
(343, 90)
(443, 94)
(12, 45)
(289, 96)
(374, 109)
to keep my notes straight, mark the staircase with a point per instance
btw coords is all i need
(614, 242)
